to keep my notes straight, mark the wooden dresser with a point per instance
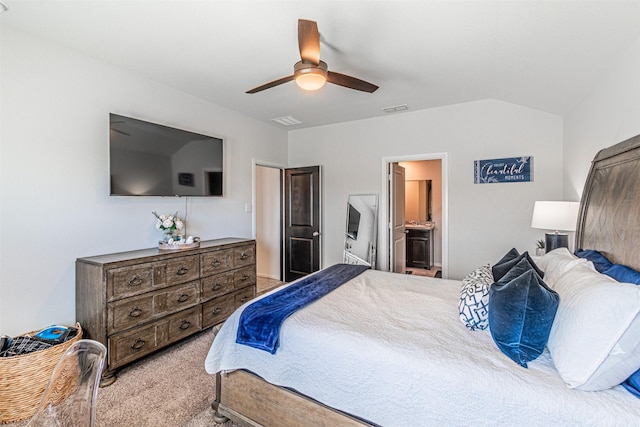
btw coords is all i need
(140, 301)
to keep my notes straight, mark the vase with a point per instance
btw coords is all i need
(168, 235)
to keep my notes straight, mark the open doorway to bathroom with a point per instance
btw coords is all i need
(423, 217)
(424, 212)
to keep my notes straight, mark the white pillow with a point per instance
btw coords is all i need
(595, 337)
(473, 305)
(556, 263)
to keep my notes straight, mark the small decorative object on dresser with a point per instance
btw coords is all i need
(170, 225)
(173, 230)
(140, 301)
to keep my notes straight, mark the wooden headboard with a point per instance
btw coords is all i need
(609, 216)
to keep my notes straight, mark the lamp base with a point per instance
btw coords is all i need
(556, 240)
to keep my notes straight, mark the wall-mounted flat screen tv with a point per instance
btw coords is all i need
(149, 159)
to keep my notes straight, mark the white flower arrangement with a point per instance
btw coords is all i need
(168, 223)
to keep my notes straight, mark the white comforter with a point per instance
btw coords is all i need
(390, 348)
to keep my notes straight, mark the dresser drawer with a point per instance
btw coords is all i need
(128, 281)
(217, 310)
(134, 344)
(243, 295)
(216, 262)
(217, 285)
(130, 312)
(138, 342)
(185, 323)
(244, 256)
(244, 277)
(184, 269)
(176, 298)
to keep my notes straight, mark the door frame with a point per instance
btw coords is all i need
(385, 216)
(254, 197)
(255, 163)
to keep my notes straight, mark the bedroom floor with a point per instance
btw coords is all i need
(434, 272)
(264, 284)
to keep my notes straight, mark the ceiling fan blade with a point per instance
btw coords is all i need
(350, 82)
(309, 41)
(270, 84)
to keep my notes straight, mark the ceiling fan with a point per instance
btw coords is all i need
(310, 73)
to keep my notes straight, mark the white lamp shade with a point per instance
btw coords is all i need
(552, 215)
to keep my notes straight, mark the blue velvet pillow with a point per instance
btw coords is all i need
(632, 384)
(521, 312)
(622, 273)
(600, 262)
(503, 266)
(513, 253)
(509, 256)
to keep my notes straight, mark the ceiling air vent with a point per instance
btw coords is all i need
(287, 121)
(396, 108)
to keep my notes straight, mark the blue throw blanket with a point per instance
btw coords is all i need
(260, 322)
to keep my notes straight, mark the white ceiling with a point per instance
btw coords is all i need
(540, 54)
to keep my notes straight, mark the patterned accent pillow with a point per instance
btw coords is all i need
(474, 298)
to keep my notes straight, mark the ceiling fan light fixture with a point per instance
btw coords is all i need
(310, 77)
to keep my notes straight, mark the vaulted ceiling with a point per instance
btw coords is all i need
(545, 55)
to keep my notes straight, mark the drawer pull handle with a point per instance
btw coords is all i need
(216, 287)
(244, 299)
(244, 277)
(217, 310)
(216, 263)
(183, 298)
(135, 281)
(244, 256)
(136, 312)
(185, 325)
(138, 344)
(182, 271)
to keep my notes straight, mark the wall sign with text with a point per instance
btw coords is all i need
(512, 169)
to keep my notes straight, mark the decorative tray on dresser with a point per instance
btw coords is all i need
(140, 301)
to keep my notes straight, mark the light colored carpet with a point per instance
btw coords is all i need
(169, 388)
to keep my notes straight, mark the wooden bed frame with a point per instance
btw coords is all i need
(608, 220)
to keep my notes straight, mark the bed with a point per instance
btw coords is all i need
(388, 349)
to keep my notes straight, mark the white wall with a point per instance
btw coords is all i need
(609, 114)
(485, 220)
(54, 172)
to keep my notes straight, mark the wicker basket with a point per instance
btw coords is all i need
(24, 378)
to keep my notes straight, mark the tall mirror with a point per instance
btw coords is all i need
(360, 242)
(418, 201)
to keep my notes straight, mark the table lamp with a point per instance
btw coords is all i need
(557, 216)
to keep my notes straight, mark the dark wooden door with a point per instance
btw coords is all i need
(301, 221)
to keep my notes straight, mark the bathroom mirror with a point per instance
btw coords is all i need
(361, 229)
(418, 201)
